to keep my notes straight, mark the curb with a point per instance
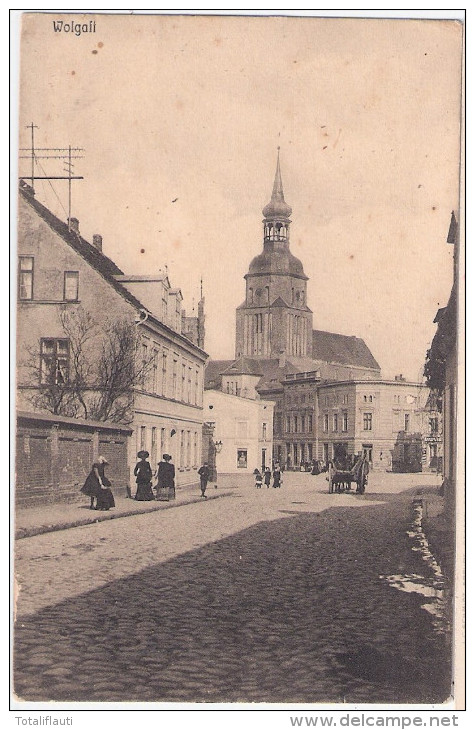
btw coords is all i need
(24, 532)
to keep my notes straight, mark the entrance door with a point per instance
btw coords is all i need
(325, 454)
(368, 451)
(340, 452)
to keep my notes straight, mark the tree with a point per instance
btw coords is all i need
(91, 372)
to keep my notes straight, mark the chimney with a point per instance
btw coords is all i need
(74, 225)
(97, 241)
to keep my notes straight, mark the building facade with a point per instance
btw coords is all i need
(384, 419)
(243, 429)
(64, 280)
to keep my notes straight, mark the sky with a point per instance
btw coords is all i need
(180, 118)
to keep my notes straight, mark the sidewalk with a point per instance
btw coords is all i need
(32, 521)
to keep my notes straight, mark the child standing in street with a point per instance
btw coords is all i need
(258, 476)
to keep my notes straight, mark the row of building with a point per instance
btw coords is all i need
(323, 391)
(110, 363)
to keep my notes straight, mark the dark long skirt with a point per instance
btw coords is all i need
(105, 499)
(144, 492)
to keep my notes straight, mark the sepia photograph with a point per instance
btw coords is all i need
(239, 397)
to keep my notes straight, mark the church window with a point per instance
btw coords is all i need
(258, 293)
(251, 295)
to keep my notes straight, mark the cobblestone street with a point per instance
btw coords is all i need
(260, 596)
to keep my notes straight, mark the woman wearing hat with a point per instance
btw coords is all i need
(97, 486)
(143, 474)
(166, 479)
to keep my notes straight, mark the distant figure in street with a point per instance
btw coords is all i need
(204, 473)
(267, 477)
(277, 477)
(258, 477)
(97, 486)
(166, 477)
(361, 471)
(143, 474)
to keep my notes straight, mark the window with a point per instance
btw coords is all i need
(155, 371)
(182, 448)
(71, 286)
(183, 382)
(25, 277)
(310, 423)
(153, 450)
(197, 379)
(325, 422)
(344, 421)
(302, 428)
(296, 424)
(335, 421)
(370, 398)
(143, 374)
(264, 431)
(367, 421)
(143, 436)
(434, 425)
(242, 459)
(288, 424)
(164, 373)
(241, 429)
(407, 419)
(175, 378)
(54, 357)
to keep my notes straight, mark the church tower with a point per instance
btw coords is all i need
(274, 319)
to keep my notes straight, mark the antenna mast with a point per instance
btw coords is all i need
(64, 153)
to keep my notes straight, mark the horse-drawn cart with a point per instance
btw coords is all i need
(340, 480)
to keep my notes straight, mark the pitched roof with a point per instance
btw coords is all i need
(213, 370)
(95, 258)
(244, 366)
(86, 250)
(343, 349)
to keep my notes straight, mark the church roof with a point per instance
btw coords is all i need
(344, 349)
(277, 262)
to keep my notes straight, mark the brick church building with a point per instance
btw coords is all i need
(275, 340)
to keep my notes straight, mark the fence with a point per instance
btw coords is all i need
(54, 455)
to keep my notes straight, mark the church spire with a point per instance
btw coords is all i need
(278, 190)
(277, 212)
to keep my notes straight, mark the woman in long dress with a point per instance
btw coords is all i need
(143, 475)
(97, 486)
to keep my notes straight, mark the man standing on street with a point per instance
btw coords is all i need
(204, 478)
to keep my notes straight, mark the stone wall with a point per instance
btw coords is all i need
(54, 455)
